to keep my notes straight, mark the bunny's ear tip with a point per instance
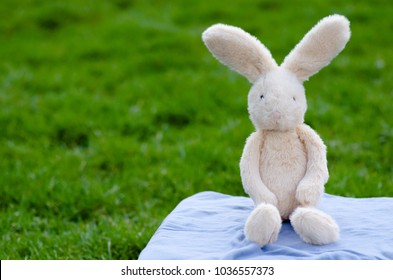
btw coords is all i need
(212, 33)
(340, 21)
(217, 30)
(337, 18)
(339, 24)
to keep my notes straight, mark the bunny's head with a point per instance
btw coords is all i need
(277, 100)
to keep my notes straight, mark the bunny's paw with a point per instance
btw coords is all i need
(309, 193)
(263, 225)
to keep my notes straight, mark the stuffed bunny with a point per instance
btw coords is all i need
(283, 165)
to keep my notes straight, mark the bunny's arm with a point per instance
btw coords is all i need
(249, 170)
(311, 187)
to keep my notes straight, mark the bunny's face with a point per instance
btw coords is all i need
(277, 101)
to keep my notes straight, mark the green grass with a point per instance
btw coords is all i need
(112, 112)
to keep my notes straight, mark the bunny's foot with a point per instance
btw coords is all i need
(314, 226)
(263, 224)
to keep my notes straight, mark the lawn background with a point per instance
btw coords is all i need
(112, 112)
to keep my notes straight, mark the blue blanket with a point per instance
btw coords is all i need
(209, 225)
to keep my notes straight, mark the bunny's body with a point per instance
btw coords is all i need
(283, 165)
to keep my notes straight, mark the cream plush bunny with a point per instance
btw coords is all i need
(283, 166)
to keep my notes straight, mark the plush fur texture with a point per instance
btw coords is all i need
(283, 166)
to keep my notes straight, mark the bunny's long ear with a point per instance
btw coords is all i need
(318, 47)
(239, 50)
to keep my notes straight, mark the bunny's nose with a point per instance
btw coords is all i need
(276, 115)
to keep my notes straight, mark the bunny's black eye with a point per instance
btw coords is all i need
(262, 96)
(294, 99)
